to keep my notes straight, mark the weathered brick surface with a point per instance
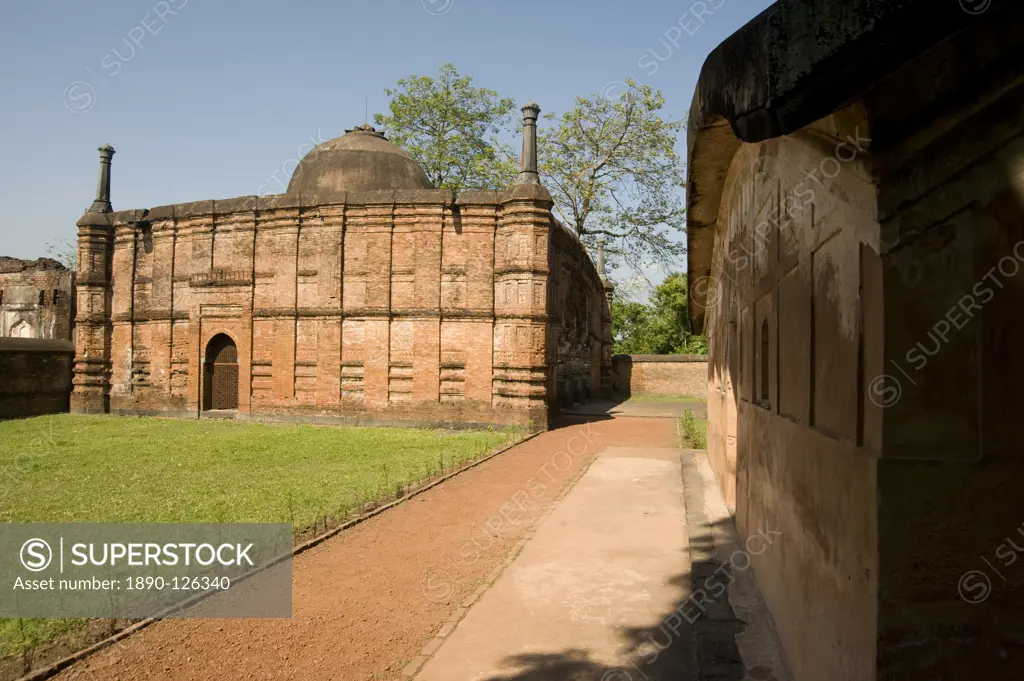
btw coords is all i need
(36, 299)
(661, 375)
(36, 376)
(580, 323)
(398, 305)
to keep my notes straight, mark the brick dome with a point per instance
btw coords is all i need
(360, 160)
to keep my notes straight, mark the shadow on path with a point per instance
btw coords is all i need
(694, 641)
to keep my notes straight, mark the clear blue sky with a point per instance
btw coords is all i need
(216, 96)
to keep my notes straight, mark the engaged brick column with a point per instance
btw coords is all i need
(91, 383)
(520, 302)
(521, 274)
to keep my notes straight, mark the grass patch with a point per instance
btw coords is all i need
(688, 399)
(694, 431)
(66, 468)
(19, 636)
(71, 468)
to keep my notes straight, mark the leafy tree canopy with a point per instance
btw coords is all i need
(659, 328)
(452, 129)
(612, 168)
(610, 164)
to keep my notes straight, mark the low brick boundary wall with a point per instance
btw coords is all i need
(660, 375)
(35, 376)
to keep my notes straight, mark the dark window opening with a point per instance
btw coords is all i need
(42, 297)
(56, 296)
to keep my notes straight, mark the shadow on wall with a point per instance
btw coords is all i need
(695, 639)
(622, 375)
(36, 376)
(933, 377)
(573, 391)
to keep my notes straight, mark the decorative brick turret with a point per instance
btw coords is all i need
(521, 276)
(529, 174)
(91, 389)
(102, 202)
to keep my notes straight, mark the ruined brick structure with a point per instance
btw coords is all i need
(35, 376)
(36, 309)
(360, 293)
(36, 299)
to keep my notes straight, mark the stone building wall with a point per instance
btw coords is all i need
(579, 312)
(36, 376)
(36, 299)
(411, 305)
(858, 274)
(951, 208)
(661, 375)
(786, 323)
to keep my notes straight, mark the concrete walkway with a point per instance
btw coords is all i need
(601, 591)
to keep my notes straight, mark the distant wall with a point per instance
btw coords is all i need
(36, 376)
(660, 375)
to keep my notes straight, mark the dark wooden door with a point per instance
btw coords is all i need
(225, 386)
(221, 374)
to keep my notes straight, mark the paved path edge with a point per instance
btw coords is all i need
(428, 651)
(736, 635)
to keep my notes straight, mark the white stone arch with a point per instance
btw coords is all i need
(22, 329)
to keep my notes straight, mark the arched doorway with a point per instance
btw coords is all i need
(220, 374)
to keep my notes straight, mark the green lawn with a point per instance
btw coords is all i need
(66, 468)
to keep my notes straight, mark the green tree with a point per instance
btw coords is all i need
(452, 129)
(631, 327)
(659, 328)
(613, 170)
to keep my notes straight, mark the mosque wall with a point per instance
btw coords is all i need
(402, 305)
